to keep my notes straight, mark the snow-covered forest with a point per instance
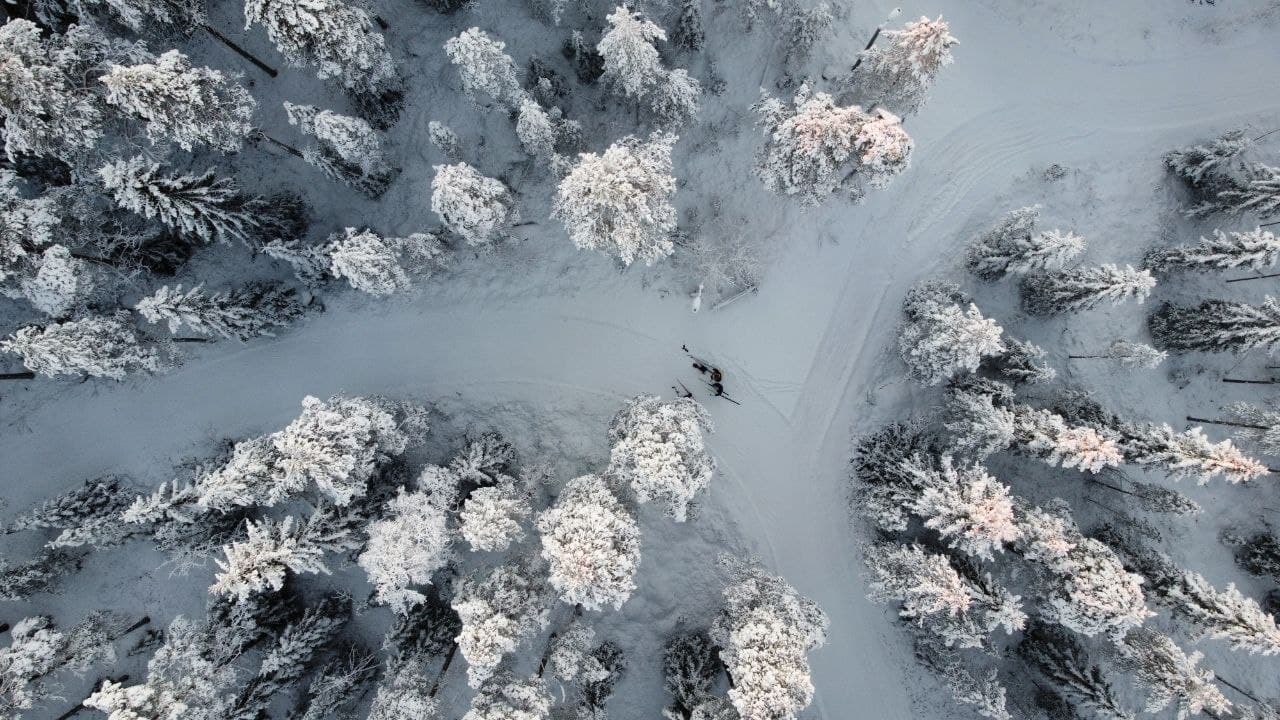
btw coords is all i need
(696, 359)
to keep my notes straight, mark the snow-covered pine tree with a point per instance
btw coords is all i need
(485, 68)
(1216, 326)
(903, 69)
(1257, 192)
(205, 206)
(485, 460)
(407, 546)
(241, 313)
(334, 36)
(1083, 288)
(1013, 247)
(1047, 435)
(44, 112)
(1255, 250)
(620, 201)
(39, 649)
(42, 573)
(490, 519)
(940, 338)
(1260, 424)
(498, 611)
(689, 33)
(295, 650)
(1204, 166)
(659, 452)
(337, 685)
(1188, 454)
(1129, 355)
(187, 105)
(690, 664)
(1021, 362)
(631, 62)
(476, 207)
(818, 147)
(1060, 657)
(381, 266)
(404, 694)
(535, 130)
(1170, 675)
(969, 508)
(60, 282)
(764, 629)
(269, 551)
(674, 100)
(805, 27)
(979, 426)
(984, 694)
(445, 140)
(504, 697)
(601, 670)
(350, 149)
(591, 544)
(96, 346)
(1224, 614)
(86, 514)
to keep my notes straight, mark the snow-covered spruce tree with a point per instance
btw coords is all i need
(689, 33)
(978, 425)
(1216, 326)
(60, 282)
(445, 140)
(42, 573)
(602, 668)
(241, 313)
(1204, 166)
(96, 346)
(44, 113)
(1014, 247)
(764, 630)
(818, 148)
(334, 36)
(939, 338)
(1170, 675)
(490, 519)
(485, 67)
(631, 62)
(498, 611)
(690, 664)
(87, 514)
(338, 685)
(270, 550)
(620, 201)
(984, 694)
(205, 207)
(1223, 614)
(805, 27)
(674, 100)
(659, 452)
(486, 459)
(591, 544)
(1087, 589)
(1257, 192)
(1188, 454)
(968, 508)
(504, 697)
(1083, 288)
(1129, 355)
(902, 69)
(536, 132)
(404, 694)
(187, 105)
(1047, 435)
(1255, 250)
(1260, 424)
(408, 545)
(1060, 657)
(1021, 362)
(39, 649)
(382, 266)
(476, 207)
(350, 150)
(296, 648)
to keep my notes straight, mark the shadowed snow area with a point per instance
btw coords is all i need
(556, 339)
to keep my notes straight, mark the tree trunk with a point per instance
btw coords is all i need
(1084, 357)
(1235, 687)
(26, 375)
(1228, 423)
(1249, 382)
(874, 36)
(448, 660)
(282, 145)
(1255, 277)
(192, 340)
(1112, 487)
(240, 51)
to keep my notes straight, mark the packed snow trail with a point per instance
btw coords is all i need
(810, 357)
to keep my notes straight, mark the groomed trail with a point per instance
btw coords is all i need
(810, 356)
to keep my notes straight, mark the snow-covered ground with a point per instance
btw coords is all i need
(546, 338)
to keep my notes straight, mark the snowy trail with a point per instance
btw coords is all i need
(804, 355)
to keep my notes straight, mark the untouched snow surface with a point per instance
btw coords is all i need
(555, 340)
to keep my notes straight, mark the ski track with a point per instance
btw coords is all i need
(782, 472)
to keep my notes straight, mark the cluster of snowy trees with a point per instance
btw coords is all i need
(476, 557)
(978, 556)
